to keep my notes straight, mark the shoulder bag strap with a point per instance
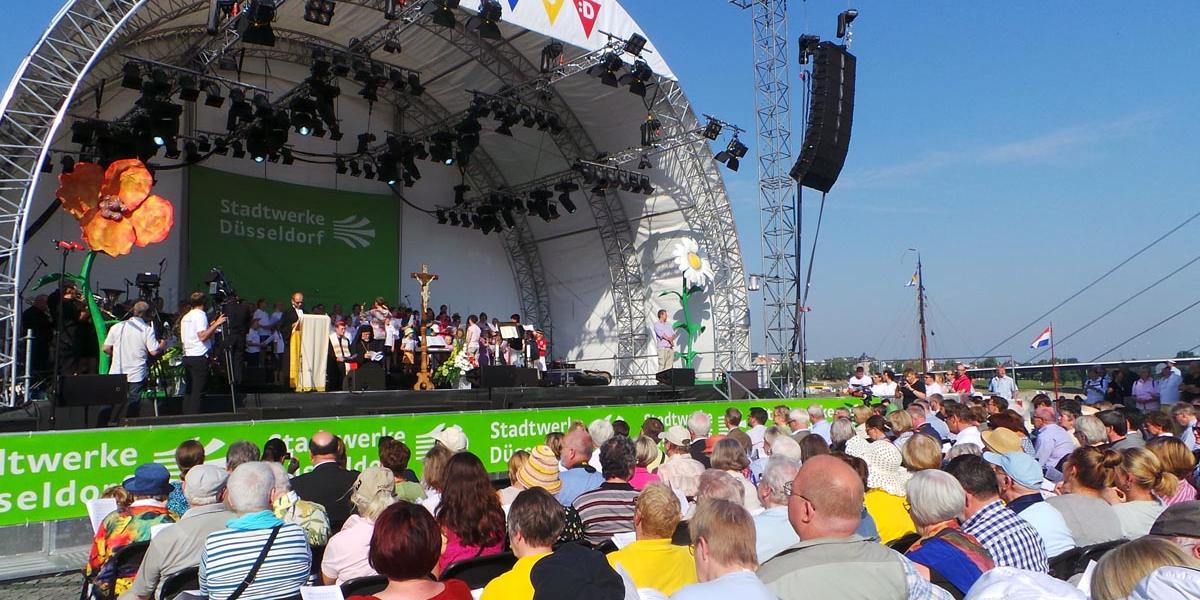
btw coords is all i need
(258, 562)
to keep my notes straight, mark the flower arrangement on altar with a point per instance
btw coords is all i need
(450, 373)
(697, 272)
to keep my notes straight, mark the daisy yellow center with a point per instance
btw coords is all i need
(694, 260)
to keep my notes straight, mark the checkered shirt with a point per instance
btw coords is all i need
(1011, 540)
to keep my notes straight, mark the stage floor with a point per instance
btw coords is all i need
(271, 405)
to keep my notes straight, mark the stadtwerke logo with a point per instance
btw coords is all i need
(258, 221)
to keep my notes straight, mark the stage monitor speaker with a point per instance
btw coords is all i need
(92, 390)
(503, 376)
(830, 116)
(748, 381)
(367, 380)
(677, 377)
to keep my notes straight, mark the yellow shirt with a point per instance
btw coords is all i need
(890, 514)
(515, 584)
(657, 564)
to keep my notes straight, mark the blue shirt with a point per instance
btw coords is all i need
(938, 425)
(662, 331)
(1168, 388)
(575, 482)
(822, 428)
(743, 585)
(230, 553)
(1052, 445)
(1005, 387)
(773, 533)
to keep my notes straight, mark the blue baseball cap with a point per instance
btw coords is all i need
(1023, 468)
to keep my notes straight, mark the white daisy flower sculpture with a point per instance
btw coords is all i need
(695, 267)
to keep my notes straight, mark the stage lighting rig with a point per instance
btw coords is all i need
(652, 131)
(304, 117)
(204, 144)
(368, 169)
(240, 110)
(732, 154)
(808, 46)
(460, 193)
(191, 152)
(845, 18)
(607, 69)
(442, 12)
(212, 95)
(340, 166)
(638, 78)
(552, 56)
(564, 197)
(319, 11)
(712, 129)
(635, 44)
(255, 25)
(644, 162)
(189, 89)
(239, 151)
(487, 22)
(364, 142)
(355, 170)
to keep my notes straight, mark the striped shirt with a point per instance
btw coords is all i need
(1011, 540)
(606, 510)
(230, 553)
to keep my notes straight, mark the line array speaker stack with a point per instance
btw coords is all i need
(831, 113)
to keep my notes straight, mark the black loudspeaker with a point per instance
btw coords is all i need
(502, 377)
(831, 113)
(92, 390)
(677, 377)
(369, 379)
(748, 381)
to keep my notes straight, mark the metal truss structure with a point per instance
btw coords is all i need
(85, 47)
(776, 190)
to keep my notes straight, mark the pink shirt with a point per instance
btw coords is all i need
(642, 478)
(346, 554)
(1185, 493)
(456, 551)
(1145, 390)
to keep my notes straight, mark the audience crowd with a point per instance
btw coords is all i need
(939, 499)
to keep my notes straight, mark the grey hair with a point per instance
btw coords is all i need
(600, 430)
(799, 416)
(139, 308)
(722, 485)
(934, 398)
(771, 433)
(1092, 429)
(961, 449)
(240, 453)
(700, 423)
(786, 447)
(249, 488)
(841, 430)
(815, 412)
(934, 496)
(283, 484)
(779, 470)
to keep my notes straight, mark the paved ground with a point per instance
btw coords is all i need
(61, 587)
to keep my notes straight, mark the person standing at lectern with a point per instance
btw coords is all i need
(665, 334)
(285, 325)
(516, 345)
(196, 333)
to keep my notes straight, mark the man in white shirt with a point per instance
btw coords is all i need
(1168, 386)
(195, 332)
(1002, 385)
(131, 343)
(1095, 386)
(859, 383)
(757, 419)
(964, 425)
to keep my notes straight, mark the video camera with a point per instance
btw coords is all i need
(147, 285)
(218, 288)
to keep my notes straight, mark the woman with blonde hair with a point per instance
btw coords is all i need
(729, 456)
(515, 463)
(921, 453)
(902, 427)
(433, 468)
(346, 554)
(1122, 568)
(647, 455)
(1178, 460)
(860, 414)
(554, 440)
(1141, 481)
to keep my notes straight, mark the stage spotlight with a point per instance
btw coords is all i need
(256, 145)
(239, 109)
(527, 118)
(189, 90)
(638, 78)
(476, 221)
(364, 141)
(647, 189)
(460, 194)
(368, 170)
(172, 148)
(486, 23)
(354, 169)
(565, 188)
(341, 66)
(635, 44)
(844, 20)
(387, 169)
(419, 151)
(441, 217)
(68, 164)
(191, 153)
(442, 12)
(391, 45)
(651, 131)
(319, 11)
(732, 154)
(552, 56)
(712, 130)
(131, 77)
(212, 95)
(454, 219)
(204, 145)
(645, 163)
(414, 85)
(396, 76)
(256, 26)
(808, 46)
(607, 70)
(340, 166)
(555, 124)
(465, 220)
(441, 147)
(82, 132)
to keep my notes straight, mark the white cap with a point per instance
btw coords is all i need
(452, 438)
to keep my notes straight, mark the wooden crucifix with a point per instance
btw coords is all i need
(424, 377)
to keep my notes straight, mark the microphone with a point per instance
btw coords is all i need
(42, 262)
(65, 245)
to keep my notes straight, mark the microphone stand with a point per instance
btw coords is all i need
(56, 382)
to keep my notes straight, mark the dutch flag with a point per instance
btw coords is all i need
(1042, 340)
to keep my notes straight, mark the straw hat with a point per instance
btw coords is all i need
(884, 469)
(541, 470)
(1002, 440)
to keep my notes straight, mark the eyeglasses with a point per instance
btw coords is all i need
(788, 491)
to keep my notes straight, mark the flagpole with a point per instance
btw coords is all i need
(1053, 362)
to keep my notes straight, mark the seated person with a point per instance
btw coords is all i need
(653, 561)
(148, 489)
(405, 549)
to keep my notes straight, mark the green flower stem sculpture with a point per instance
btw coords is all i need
(693, 329)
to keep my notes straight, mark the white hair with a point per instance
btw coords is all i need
(815, 412)
(600, 430)
(787, 447)
(779, 470)
(1092, 429)
(958, 450)
(720, 484)
(934, 496)
(841, 430)
(700, 424)
(283, 484)
(249, 488)
(799, 416)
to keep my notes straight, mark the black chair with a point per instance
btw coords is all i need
(478, 572)
(179, 581)
(682, 535)
(318, 553)
(1075, 561)
(364, 586)
(902, 545)
(607, 547)
(126, 560)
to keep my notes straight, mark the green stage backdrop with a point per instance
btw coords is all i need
(274, 238)
(46, 476)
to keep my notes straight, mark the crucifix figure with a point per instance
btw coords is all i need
(424, 378)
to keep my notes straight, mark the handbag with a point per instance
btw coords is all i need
(258, 562)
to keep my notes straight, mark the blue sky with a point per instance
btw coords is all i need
(1024, 147)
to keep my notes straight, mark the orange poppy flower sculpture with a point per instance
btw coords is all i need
(116, 211)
